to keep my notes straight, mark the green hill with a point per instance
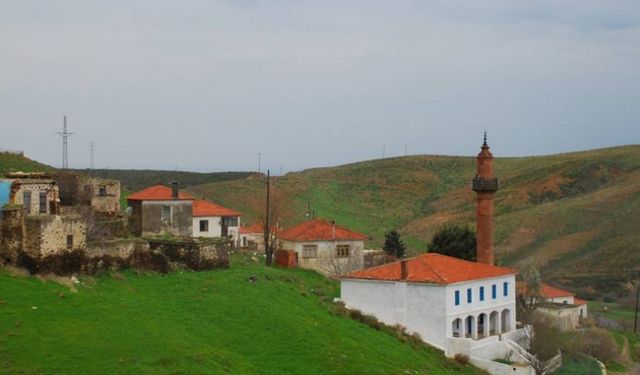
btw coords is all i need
(17, 162)
(138, 179)
(215, 322)
(575, 215)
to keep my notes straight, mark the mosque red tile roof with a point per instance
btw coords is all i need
(433, 268)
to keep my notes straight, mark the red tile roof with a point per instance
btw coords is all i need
(255, 228)
(319, 230)
(579, 301)
(206, 208)
(548, 291)
(157, 193)
(433, 268)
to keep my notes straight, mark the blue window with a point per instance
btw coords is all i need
(457, 296)
(469, 295)
(505, 288)
(481, 294)
(494, 291)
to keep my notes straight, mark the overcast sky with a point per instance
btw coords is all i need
(206, 85)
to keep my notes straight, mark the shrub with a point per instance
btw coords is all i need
(597, 343)
(461, 358)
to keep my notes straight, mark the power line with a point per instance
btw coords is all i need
(65, 136)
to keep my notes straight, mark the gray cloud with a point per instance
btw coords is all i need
(206, 86)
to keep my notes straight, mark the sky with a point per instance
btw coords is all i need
(208, 85)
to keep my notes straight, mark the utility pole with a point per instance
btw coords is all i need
(267, 228)
(259, 160)
(92, 148)
(65, 136)
(635, 319)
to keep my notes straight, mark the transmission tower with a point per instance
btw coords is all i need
(65, 136)
(92, 148)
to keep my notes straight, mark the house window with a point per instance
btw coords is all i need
(494, 291)
(204, 225)
(69, 241)
(505, 289)
(457, 297)
(481, 293)
(26, 202)
(244, 241)
(310, 251)
(469, 299)
(230, 221)
(102, 191)
(43, 202)
(342, 251)
(166, 214)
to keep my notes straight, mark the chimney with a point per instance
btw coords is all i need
(485, 184)
(404, 272)
(333, 229)
(175, 190)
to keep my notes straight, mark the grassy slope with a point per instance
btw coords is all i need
(133, 180)
(207, 322)
(12, 162)
(575, 214)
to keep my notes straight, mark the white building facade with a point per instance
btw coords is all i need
(454, 305)
(213, 220)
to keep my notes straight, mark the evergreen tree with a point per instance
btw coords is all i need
(454, 240)
(393, 244)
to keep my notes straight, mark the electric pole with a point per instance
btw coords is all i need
(635, 319)
(267, 228)
(65, 136)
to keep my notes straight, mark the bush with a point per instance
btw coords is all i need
(597, 343)
(461, 358)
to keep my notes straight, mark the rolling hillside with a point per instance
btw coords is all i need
(214, 322)
(575, 215)
(138, 179)
(17, 162)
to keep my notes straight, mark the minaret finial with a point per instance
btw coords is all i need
(485, 139)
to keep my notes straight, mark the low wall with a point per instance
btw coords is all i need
(497, 368)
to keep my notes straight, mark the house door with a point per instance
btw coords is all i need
(224, 230)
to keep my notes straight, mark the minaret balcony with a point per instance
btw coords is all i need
(483, 184)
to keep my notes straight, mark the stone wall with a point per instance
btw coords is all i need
(179, 222)
(12, 233)
(47, 235)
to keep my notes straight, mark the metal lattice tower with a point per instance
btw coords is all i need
(65, 136)
(92, 148)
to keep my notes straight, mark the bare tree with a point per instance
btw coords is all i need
(336, 264)
(529, 295)
(543, 341)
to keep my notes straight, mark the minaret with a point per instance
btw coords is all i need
(485, 185)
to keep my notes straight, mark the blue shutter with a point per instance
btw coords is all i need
(505, 288)
(457, 297)
(481, 293)
(494, 291)
(469, 295)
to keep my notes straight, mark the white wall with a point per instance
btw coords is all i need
(215, 227)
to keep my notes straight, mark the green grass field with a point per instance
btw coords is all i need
(213, 322)
(578, 365)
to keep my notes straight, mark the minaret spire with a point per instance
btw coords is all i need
(485, 184)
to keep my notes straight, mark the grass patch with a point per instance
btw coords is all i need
(578, 364)
(198, 322)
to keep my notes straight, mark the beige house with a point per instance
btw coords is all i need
(324, 246)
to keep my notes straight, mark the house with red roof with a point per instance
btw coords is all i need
(566, 310)
(213, 220)
(252, 237)
(324, 246)
(159, 209)
(439, 297)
